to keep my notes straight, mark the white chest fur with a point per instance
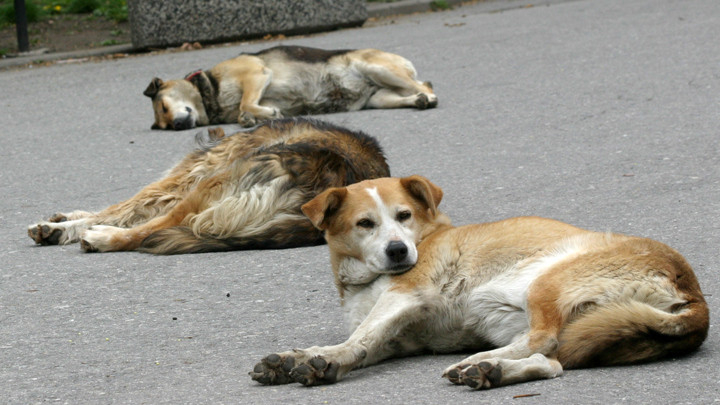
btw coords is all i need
(490, 314)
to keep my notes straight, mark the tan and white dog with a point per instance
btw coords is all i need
(535, 295)
(288, 81)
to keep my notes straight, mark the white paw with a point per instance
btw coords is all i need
(101, 238)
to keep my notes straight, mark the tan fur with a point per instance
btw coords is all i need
(534, 294)
(288, 81)
(238, 192)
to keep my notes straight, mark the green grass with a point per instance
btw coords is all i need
(440, 5)
(7, 12)
(115, 10)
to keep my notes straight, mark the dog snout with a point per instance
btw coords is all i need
(396, 251)
(182, 123)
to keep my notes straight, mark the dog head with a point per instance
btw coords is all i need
(177, 104)
(376, 225)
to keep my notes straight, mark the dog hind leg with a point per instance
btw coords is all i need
(395, 73)
(385, 98)
(497, 372)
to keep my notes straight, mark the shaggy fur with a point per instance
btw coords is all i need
(238, 192)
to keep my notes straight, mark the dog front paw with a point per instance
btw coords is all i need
(45, 234)
(273, 370)
(276, 113)
(483, 375)
(315, 371)
(425, 101)
(246, 119)
(289, 367)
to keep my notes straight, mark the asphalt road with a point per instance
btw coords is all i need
(603, 114)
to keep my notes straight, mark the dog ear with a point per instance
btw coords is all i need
(321, 208)
(153, 87)
(423, 190)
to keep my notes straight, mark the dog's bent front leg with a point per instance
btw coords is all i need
(253, 90)
(375, 339)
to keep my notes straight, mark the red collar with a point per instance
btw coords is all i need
(193, 74)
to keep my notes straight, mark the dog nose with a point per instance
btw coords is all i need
(182, 123)
(396, 251)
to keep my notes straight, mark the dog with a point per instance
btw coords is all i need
(287, 81)
(535, 295)
(235, 192)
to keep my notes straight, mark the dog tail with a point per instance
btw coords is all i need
(182, 239)
(632, 332)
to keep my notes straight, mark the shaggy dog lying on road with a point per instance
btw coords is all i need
(237, 192)
(287, 81)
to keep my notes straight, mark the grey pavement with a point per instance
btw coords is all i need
(603, 114)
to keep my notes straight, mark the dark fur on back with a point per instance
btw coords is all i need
(312, 155)
(303, 53)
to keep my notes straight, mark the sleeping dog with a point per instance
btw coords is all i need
(288, 81)
(535, 295)
(237, 192)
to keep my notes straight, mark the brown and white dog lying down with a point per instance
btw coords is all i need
(237, 192)
(535, 295)
(287, 81)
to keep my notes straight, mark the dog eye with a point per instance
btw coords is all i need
(165, 109)
(365, 223)
(403, 215)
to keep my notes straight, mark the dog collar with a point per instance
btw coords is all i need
(193, 74)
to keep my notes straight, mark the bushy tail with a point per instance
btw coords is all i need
(632, 332)
(182, 239)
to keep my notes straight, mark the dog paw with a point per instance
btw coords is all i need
(421, 102)
(246, 119)
(45, 234)
(276, 114)
(59, 217)
(483, 375)
(273, 370)
(315, 371)
(424, 101)
(100, 238)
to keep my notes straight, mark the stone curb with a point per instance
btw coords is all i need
(375, 10)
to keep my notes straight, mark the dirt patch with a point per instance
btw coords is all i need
(68, 32)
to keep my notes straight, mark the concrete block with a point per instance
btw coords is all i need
(170, 23)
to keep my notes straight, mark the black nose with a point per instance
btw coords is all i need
(182, 123)
(396, 251)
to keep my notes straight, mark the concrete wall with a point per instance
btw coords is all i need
(168, 23)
